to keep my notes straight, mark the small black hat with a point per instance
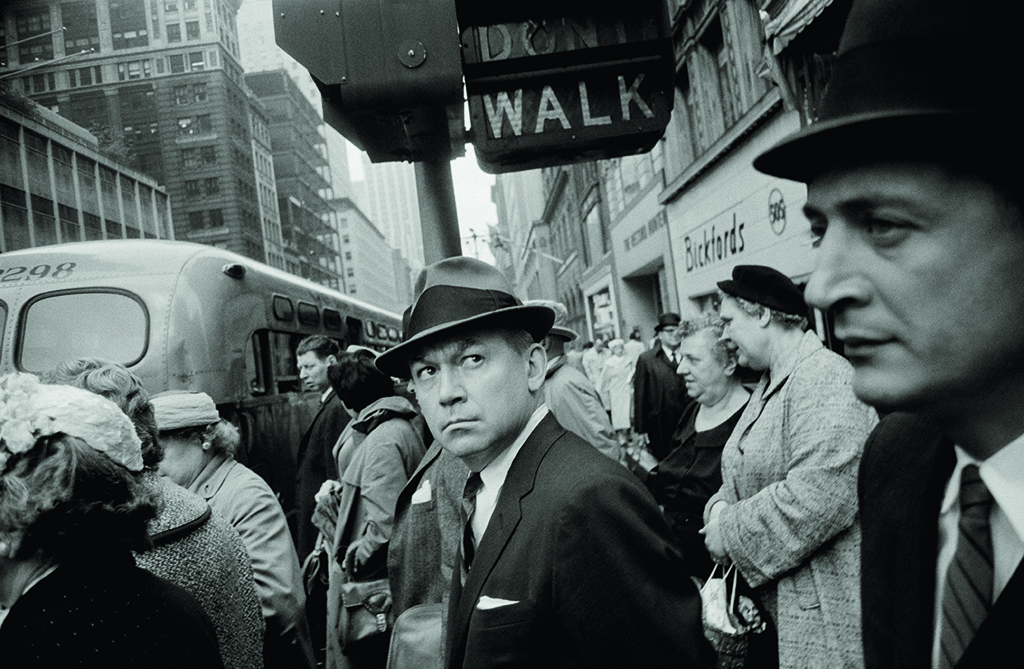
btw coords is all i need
(924, 79)
(667, 320)
(765, 286)
(461, 293)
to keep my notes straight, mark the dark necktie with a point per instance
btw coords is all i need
(473, 485)
(968, 594)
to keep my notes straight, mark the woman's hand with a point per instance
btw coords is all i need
(357, 555)
(713, 535)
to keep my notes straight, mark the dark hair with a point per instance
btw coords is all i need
(118, 384)
(358, 382)
(320, 345)
(63, 497)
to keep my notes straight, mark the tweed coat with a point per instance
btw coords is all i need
(574, 401)
(906, 467)
(789, 474)
(659, 399)
(248, 503)
(196, 548)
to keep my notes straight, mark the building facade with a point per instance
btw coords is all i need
(57, 187)
(160, 85)
(374, 271)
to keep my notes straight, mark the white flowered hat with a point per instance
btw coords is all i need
(30, 410)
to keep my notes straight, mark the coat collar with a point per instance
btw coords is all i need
(212, 478)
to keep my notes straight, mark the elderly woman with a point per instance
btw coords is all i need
(191, 546)
(691, 473)
(615, 385)
(71, 512)
(199, 452)
(786, 515)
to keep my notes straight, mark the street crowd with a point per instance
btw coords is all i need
(493, 492)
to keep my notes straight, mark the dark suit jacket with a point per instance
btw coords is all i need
(315, 464)
(581, 553)
(907, 463)
(659, 398)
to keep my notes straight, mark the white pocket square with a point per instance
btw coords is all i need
(422, 494)
(485, 603)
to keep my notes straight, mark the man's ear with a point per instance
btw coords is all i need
(331, 360)
(765, 317)
(537, 361)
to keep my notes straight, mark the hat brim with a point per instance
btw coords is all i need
(909, 134)
(564, 333)
(534, 319)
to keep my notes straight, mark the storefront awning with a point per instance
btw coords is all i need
(783, 23)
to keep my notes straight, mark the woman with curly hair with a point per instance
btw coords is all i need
(71, 512)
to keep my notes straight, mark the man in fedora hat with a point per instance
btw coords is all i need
(914, 198)
(659, 394)
(569, 394)
(565, 560)
(786, 514)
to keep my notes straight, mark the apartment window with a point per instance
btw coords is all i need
(173, 32)
(195, 61)
(195, 125)
(205, 219)
(350, 272)
(193, 189)
(128, 25)
(211, 186)
(40, 83)
(34, 24)
(177, 63)
(721, 81)
(199, 92)
(134, 70)
(86, 76)
(171, 7)
(192, 30)
(189, 5)
(81, 30)
(181, 95)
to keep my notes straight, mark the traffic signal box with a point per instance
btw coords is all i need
(549, 82)
(389, 72)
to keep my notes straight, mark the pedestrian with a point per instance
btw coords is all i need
(591, 359)
(691, 473)
(634, 346)
(914, 199)
(565, 559)
(570, 395)
(199, 455)
(786, 514)
(615, 384)
(659, 395)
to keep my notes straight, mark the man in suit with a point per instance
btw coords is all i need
(659, 394)
(565, 560)
(914, 198)
(569, 394)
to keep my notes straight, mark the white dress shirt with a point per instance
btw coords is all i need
(493, 477)
(1003, 474)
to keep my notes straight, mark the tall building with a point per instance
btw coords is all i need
(160, 85)
(388, 195)
(57, 187)
(374, 271)
(299, 159)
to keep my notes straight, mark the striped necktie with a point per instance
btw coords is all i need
(473, 485)
(968, 594)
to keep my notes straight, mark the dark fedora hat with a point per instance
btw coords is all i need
(767, 287)
(460, 294)
(667, 320)
(913, 79)
(560, 327)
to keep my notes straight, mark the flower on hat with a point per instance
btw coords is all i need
(30, 410)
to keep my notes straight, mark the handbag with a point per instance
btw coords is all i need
(366, 610)
(729, 619)
(416, 638)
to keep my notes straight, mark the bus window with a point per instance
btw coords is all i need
(308, 314)
(332, 319)
(285, 367)
(283, 310)
(3, 323)
(255, 366)
(64, 326)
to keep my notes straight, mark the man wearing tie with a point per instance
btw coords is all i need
(914, 198)
(659, 393)
(565, 560)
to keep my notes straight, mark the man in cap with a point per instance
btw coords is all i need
(569, 394)
(913, 176)
(565, 560)
(786, 514)
(659, 394)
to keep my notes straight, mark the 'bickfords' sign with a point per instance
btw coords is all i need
(566, 89)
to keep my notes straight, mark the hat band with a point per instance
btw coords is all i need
(440, 305)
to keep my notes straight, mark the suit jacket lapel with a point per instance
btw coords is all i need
(507, 515)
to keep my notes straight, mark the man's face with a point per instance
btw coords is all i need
(670, 337)
(746, 333)
(924, 272)
(706, 378)
(476, 393)
(313, 371)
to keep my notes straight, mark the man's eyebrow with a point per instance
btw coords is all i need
(457, 347)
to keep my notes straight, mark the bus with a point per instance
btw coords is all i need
(186, 316)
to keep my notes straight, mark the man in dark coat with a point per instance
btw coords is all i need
(659, 394)
(565, 559)
(914, 198)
